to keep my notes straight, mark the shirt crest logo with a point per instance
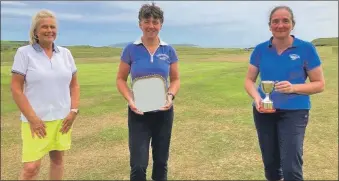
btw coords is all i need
(162, 56)
(294, 56)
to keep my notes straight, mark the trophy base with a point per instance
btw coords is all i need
(267, 107)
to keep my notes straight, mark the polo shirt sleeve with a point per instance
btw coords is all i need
(173, 55)
(71, 59)
(255, 58)
(313, 59)
(126, 55)
(20, 63)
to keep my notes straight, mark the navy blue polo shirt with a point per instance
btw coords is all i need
(143, 63)
(292, 65)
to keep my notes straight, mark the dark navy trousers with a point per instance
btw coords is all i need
(281, 138)
(154, 127)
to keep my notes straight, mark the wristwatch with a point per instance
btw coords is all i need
(76, 111)
(169, 93)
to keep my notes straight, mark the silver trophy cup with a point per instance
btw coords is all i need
(267, 87)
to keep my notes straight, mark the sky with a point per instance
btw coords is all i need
(203, 23)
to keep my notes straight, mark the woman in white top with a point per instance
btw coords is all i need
(45, 88)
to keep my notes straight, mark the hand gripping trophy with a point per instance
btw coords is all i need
(267, 104)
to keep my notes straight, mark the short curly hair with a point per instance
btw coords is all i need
(151, 10)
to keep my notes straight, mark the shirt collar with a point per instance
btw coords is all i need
(38, 48)
(294, 44)
(138, 42)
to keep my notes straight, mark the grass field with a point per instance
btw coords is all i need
(326, 41)
(213, 134)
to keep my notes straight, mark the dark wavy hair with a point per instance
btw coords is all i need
(151, 10)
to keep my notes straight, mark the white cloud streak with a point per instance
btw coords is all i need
(189, 13)
(247, 18)
(13, 3)
(239, 13)
(29, 12)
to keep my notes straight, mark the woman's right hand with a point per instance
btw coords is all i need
(257, 102)
(134, 108)
(38, 127)
(260, 108)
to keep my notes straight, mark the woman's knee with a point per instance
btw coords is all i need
(56, 158)
(32, 168)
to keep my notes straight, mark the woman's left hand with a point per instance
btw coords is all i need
(284, 87)
(168, 104)
(68, 122)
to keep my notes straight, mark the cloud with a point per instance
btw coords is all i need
(206, 13)
(186, 13)
(57, 2)
(199, 22)
(13, 3)
(29, 12)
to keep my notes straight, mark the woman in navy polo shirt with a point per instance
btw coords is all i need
(288, 61)
(149, 55)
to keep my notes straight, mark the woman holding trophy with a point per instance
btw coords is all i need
(282, 100)
(150, 61)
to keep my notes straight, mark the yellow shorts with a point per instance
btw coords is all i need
(35, 148)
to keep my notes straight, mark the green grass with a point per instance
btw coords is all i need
(326, 41)
(213, 134)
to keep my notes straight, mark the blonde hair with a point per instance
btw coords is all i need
(35, 21)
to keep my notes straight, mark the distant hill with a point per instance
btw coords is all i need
(121, 45)
(325, 41)
(12, 45)
(185, 45)
(333, 41)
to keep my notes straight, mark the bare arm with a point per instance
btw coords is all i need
(250, 79)
(75, 92)
(75, 97)
(316, 84)
(121, 81)
(19, 97)
(174, 79)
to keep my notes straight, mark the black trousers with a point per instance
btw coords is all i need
(157, 128)
(281, 138)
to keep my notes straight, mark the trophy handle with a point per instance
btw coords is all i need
(275, 82)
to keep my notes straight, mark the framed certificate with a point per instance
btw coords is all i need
(149, 92)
